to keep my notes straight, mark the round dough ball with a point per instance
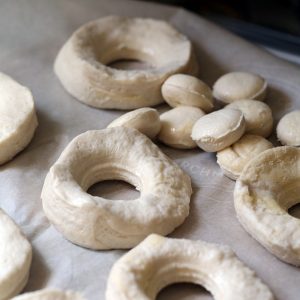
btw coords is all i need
(18, 119)
(177, 125)
(257, 114)
(233, 159)
(239, 85)
(82, 65)
(288, 129)
(181, 89)
(219, 129)
(145, 120)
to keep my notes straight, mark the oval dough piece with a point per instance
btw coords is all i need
(181, 89)
(15, 258)
(17, 118)
(218, 130)
(239, 85)
(288, 129)
(233, 159)
(177, 124)
(257, 114)
(158, 262)
(123, 154)
(266, 189)
(146, 120)
(82, 63)
(50, 294)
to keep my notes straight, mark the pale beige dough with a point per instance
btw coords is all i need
(146, 120)
(15, 258)
(118, 153)
(239, 85)
(50, 294)
(233, 159)
(18, 119)
(218, 130)
(266, 189)
(158, 262)
(82, 63)
(288, 129)
(181, 89)
(258, 116)
(177, 124)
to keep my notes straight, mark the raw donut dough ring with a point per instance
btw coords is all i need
(18, 119)
(15, 258)
(50, 294)
(82, 63)
(267, 188)
(158, 262)
(115, 153)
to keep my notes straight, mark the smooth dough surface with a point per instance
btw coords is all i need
(181, 89)
(266, 189)
(218, 130)
(50, 294)
(258, 116)
(15, 258)
(146, 120)
(18, 119)
(82, 63)
(233, 159)
(288, 129)
(177, 125)
(158, 262)
(239, 85)
(118, 153)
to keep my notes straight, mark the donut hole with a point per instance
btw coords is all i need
(114, 190)
(294, 211)
(184, 291)
(130, 64)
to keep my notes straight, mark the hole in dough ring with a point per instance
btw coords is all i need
(82, 63)
(158, 262)
(266, 189)
(15, 258)
(50, 294)
(118, 153)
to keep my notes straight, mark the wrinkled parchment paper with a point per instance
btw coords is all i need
(31, 33)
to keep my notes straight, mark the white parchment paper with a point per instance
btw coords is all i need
(31, 33)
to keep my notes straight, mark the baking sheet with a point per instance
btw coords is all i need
(31, 33)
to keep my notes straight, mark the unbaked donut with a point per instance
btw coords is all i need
(266, 189)
(82, 63)
(157, 262)
(50, 294)
(115, 153)
(18, 120)
(15, 258)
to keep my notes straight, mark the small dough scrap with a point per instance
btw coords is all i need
(15, 258)
(177, 125)
(82, 65)
(18, 119)
(257, 114)
(233, 159)
(118, 153)
(50, 294)
(218, 130)
(181, 89)
(266, 189)
(157, 262)
(288, 129)
(240, 85)
(146, 120)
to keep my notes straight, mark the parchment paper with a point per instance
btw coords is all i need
(31, 33)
